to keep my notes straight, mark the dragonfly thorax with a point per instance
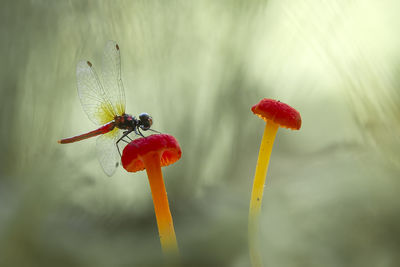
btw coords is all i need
(126, 122)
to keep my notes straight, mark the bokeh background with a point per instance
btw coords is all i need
(332, 197)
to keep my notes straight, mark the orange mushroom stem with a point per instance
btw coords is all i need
(152, 153)
(276, 114)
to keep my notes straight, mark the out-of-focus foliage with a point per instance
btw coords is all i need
(197, 67)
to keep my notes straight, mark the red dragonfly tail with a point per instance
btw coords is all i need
(102, 130)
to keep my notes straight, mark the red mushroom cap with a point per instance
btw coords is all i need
(278, 112)
(163, 144)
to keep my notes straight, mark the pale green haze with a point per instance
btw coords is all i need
(332, 192)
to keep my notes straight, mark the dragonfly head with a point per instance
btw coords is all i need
(145, 121)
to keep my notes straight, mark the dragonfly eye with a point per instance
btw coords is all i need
(145, 121)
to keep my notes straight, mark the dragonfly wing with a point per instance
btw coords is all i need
(107, 152)
(112, 76)
(94, 99)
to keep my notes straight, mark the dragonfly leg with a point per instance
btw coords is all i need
(140, 133)
(153, 131)
(125, 134)
(119, 152)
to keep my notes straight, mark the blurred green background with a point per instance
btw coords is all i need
(197, 67)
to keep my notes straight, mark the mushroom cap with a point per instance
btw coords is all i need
(163, 144)
(278, 112)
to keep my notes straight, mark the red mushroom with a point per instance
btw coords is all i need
(152, 153)
(276, 114)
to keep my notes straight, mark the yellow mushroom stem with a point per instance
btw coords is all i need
(267, 143)
(161, 207)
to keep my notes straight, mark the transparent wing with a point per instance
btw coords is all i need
(107, 152)
(95, 101)
(111, 76)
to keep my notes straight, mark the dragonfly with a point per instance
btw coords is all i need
(103, 100)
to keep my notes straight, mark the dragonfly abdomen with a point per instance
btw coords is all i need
(102, 130)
